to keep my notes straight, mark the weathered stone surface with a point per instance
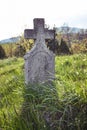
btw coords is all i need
(39, 62)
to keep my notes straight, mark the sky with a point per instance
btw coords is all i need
(17, 15)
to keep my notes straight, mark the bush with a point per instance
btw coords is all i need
(57, 48)
(53, 45)
(19, 50)
(79, 48)
(2, 52)
(64, 49)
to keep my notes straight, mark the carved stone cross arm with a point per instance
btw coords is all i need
(29, 34)
(49, 34)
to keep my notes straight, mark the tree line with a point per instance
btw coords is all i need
(59, 46)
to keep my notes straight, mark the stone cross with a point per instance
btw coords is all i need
(39, 61)
(38, 30)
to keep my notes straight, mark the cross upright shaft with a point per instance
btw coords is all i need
(38, 30)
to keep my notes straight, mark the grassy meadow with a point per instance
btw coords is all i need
(61, 105)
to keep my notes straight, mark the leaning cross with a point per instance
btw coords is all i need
(39, 61)
(39, 31)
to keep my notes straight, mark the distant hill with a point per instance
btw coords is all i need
(67, 29)
(10, 40)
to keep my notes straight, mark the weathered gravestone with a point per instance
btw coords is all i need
(39, 62)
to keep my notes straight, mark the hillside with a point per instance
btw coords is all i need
(61, 105)
(10, 40)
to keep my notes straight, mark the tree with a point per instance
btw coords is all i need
(64, 48)
(2, 53)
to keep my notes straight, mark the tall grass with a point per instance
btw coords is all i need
(61, 105)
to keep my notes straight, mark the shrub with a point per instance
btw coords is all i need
(64, 49)
(53, 45)
(57, 48)
(79, 48)
(2, 52)
(19, 50)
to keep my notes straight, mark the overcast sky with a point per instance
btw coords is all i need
(16, 15)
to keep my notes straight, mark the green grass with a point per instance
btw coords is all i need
(61, 105)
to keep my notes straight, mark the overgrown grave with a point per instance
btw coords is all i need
(39, 75)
